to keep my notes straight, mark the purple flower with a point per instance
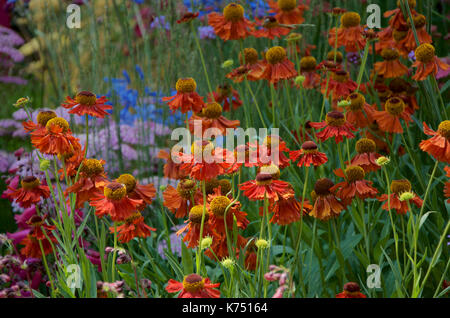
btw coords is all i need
(206, 32)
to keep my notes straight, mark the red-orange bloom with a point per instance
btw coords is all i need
(388, 120)
(194, 225)
(86, 103)
(354, 185)
(211, 117)
(114, 202)
(206, 162)
(270, 28)
(339, 85)
(326, 204)
(133, 226)
(288, 210)
(427, 63)
(91, 180)
(137, 191)
(287, 11)
(349, 34)
(251, 256)
(39, 229)
(366, 156)
(278, 67)
(30, 193)
(188, 17)
(397, 188)
(265, 186)
(335, 126)
(171, 169)
(186, 98)
(227, 95)
(42, 118)
(179, 200)
(437, 146)
(308, 65)
(57, 138)
(408, 43)
(309, 155)
(358, 112)
(351, 290)
(391, 66)
(231, 25)
(193, 286)
(32, 247)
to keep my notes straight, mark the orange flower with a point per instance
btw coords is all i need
(287, 11)
(251, 256)
(39, 229)
(188, 17)
(231, 25)
(186, 98)
(391, 66)
(179, 200)
(220, 247)
(437, 146)
(86, 103)
(385, 39)
(271, 151)
(408, 43)
(278, 66)
(91, 180)
(114, 202)
(227, 95)
(193, 286)
(349, 34)
(270, 28)
(137, 191)
(351, 290)
(56, 139)
(32, 248)
(308, 65)
(389, 119)
(354, 185)
(326, 204)
(358, 113)
(218, 204)
(366, 156)
(30, 193)
(309, 155)
(132, 227)
(265, 186)
(339, 85)
(427, 63)
(250, 67)
(42, 118)
(172, 170)
(288, 210)
(397, 188)
(206, 162)
(72, 161)
(194, 224)
(211, 117)
(335, 126)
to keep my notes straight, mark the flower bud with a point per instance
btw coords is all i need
(227, 63)
(299, 79)
(382, 161)
(262, 244)
(406, 196)
(44, 164)
(205, 242)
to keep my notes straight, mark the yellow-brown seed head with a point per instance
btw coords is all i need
(354, 173)
(86, 98)
(92, 167)
(271, 140)
(210, 185)
(30, 182)
(115, 191)
(340, 76)
(201, 147)
(212, 110)
(398, 85)
(224, 89)
(225, 185)
(308, 64)
(350, 19)
(313, 196)
(136, 215)
(233, 12)
(58, 121)
(193, 283)
(419, 21)
(335, 118)
(186, 85)
(275, 54)
(196, 213)
(398, 35)
(293, 37)
(272, 169)
(390, 54)
(250, 56)
(425, 53)
(287, 5)
(44, 116)
(339, 56)
(309, 147)
(322, 186)
(365, 145)
(444, 129)
(400, 186)
(263, 178)
(219, 205)
(394, 106)
(356, 100)
(186, 188)
(128, 180)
